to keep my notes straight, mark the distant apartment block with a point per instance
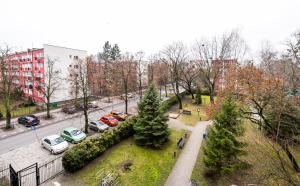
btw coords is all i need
(28, 70)
(223, 67)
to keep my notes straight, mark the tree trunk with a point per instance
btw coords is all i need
(291, 157)
(85, 114)
(48, 108)
(140, 87)
(211, 97)
(166, 92)
(159, 92)
(8, 119)
(7, 108)
(179, 101)
(126, 105)
(126, 98)
(191, 92)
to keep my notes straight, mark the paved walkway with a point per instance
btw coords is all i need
(182, 171)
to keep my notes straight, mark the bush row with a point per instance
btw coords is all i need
(80, 155)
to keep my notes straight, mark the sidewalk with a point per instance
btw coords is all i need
(57, 117)
(182, 171)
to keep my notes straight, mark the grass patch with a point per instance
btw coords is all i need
(188, 104)
(149, 166)
(264, 170)
(19, 111)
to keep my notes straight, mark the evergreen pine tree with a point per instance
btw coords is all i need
(151, 128)
(115, 52)
(222, 151)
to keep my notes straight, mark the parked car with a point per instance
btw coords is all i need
(1, 115)
(130, 95)
(109, 120)
(29, 120)
(90, 105)
(98, 126)
(69, 110)
(55, 144)
(118, 115)
(73, 135)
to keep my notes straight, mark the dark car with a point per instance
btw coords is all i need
(29, 120)
(69, 110)
(1, 115)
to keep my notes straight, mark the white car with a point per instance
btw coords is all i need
(55, 144)
(130, 95)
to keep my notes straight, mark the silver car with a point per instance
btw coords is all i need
(55, 144)
(98, 126)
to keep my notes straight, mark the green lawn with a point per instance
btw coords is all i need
(188, 104)
(260, 156)
(150, 167)
(19, 111)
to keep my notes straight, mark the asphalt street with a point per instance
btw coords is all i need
(32, 136)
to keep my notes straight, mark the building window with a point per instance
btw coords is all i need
(70, 66)
(76, 57)
(70, 56)
(76, 66)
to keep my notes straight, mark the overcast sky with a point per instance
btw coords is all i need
(143, 25)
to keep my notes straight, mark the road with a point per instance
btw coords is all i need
(29, 137)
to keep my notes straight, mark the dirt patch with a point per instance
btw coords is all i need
(125, 165)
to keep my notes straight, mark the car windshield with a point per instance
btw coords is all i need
(75, 132)
(29, 118)
(110, 118)
(57, 141)
(99, 123)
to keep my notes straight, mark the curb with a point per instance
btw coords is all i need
(68, 118)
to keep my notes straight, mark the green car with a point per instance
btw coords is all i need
(73, 135)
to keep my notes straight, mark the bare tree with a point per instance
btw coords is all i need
(125, 71)
(6, 80)
(52, 82)
(189, 76)
(268, 57)
(81, 73)
(293, 57)
(175, 55)
(212, 54)
(141, 66)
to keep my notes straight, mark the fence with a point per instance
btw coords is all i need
(50, 169)
(4, 176)
(32, 175)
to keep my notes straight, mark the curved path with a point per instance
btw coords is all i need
(182, 171)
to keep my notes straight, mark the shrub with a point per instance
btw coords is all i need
(83, 153)
(171, 101)
(29, 102)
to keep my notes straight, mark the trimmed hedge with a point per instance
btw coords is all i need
(80, 155)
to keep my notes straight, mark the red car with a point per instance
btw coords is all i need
(109, 120)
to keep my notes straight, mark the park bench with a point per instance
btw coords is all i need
(180, 143)
(187, 112)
